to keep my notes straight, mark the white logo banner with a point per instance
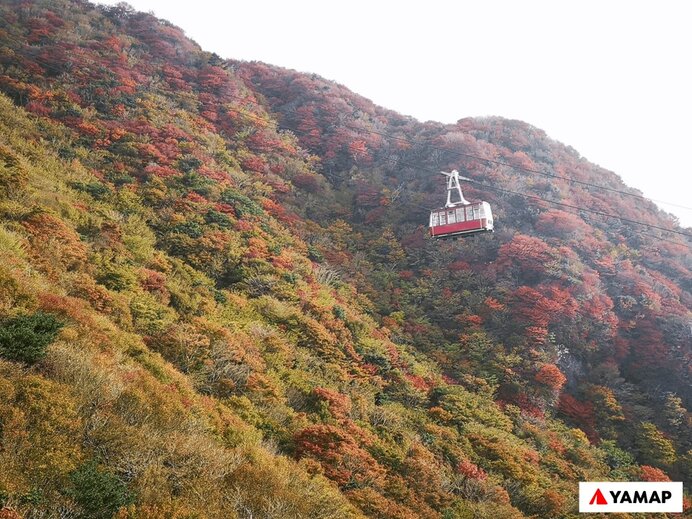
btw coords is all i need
(609, 496)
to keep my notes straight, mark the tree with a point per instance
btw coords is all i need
(551, 376)
(559, 223)
(527, 256)
(25, 338)
(653, 447)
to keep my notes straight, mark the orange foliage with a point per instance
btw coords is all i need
(418, 382)
(257, 248)
(649, 473)
(538, 334)
(493, 304)
(375, 504)
(513, 296)
(307, 181)
(84, 286)
(534, 307)
(582, 413)
(54, 242)
(342, 459)
(528, 253)
(338, 403)
(551, 376)
(553, 503)
(68, 306)
(471, 470)
(560, 223)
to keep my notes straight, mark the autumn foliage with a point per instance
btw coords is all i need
(215, 277)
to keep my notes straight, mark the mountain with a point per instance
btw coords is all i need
(218, 297)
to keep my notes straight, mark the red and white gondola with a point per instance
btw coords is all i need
(459, 218)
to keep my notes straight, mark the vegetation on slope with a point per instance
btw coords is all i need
(196, 304)
(558, 306)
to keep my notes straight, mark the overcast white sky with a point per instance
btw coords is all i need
(612, 79)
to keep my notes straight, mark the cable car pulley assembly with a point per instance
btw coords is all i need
(460, 217)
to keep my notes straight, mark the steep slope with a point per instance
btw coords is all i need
(197, 303)
(553, 283)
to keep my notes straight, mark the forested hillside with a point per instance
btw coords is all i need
(218, 297)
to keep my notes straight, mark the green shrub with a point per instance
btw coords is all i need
(150, 316)
(242, 204)
(100, 494)
(653, 447)
(96, 189)
(25, 338)
(117, 277)
(314, 254)
(339, 312)
(218, 218)
(191, 229)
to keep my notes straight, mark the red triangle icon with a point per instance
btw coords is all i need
(598, 498)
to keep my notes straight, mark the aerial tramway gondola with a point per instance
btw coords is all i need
(459, 218)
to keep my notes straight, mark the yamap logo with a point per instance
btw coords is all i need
(598, 498)
(630, 497)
